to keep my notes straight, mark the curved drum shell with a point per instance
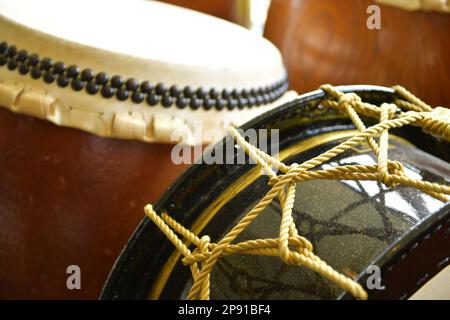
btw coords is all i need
(69, 198)
(150, 267)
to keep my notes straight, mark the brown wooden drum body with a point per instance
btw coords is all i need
(69, 198)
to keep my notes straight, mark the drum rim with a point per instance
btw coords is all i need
(225, 99)
(118, 276)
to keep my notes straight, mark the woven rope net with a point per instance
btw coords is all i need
(290, 246)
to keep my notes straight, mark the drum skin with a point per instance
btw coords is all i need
(69, 198)
(327, 41)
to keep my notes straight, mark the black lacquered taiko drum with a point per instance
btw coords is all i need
(353, 225)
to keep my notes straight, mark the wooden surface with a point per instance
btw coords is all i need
(327, 41)
(68, 197)
(224, 9)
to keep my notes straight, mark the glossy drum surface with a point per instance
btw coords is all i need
(349, 223)
(352, 224)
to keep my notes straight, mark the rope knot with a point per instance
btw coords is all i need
(301, 245)
(385, 177)
(273, 180)
(204, 244)
(348, 99)
(200, 254)
(287, 177)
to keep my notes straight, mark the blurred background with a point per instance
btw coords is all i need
(327, 41)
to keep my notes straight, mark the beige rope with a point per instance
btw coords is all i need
(290, 247)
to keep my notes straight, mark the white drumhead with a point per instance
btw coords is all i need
(143, 40)
(155, 31)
